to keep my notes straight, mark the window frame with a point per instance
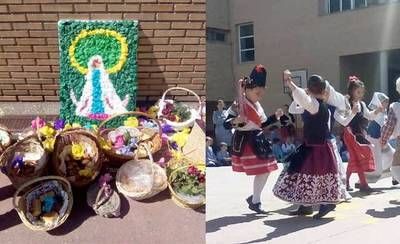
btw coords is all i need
(240, 43)
(352, 6)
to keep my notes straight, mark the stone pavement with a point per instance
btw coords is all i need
(366, 219)
(157, 220)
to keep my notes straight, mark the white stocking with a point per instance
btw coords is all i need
(258, 186)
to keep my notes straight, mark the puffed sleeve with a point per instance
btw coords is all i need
(370, 115)
(294, 108)
(335, 98)
(343, 117)
(304, 100)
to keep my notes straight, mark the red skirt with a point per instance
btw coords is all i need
(315, 180)
(361, 157)
(249, 163)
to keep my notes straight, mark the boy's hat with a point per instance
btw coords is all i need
(223, 144)
(257, 78)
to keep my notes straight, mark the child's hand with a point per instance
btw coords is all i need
(287, 77)
(356, 108)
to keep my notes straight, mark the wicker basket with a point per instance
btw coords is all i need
(66, 138)
(195, 114)
(28, 144)
(105, 206)
(3, 145)
(178, 200)
(155, 176)
(20, 202)
(117, 160)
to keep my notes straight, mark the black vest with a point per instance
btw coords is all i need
(359, 123)
(316, 129)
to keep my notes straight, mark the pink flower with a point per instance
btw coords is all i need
(192, 170)
(201, 178)
(119, 141)
(38, 123)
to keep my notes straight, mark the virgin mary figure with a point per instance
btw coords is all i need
(99, 100)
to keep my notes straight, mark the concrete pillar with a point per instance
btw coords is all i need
(383, 71)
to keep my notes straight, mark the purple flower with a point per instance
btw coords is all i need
(167, 129)
(162, 162)
(125, 150)
(174, 145)
(59, 124)
(18, 162)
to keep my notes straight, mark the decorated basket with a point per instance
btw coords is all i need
(45, 203)
(24, 160)
(194, 113)
(5, 138)
(182, 199)
(103, 199)
(77, 156)
(141, 179)
(148, 137)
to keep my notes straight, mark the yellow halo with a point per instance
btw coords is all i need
(84, 33)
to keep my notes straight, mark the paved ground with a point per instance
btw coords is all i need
(156, 221)
(366, 219)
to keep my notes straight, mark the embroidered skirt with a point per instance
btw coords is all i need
(244, 158)
(311, 178)
(361, 156)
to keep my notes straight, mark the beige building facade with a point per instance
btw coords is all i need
(333, 38)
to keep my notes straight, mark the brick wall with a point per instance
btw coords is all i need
(171, 48)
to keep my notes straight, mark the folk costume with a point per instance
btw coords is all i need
(391, 129)
(251, 152)
(361, 158)
(383, 155)
(312, 177)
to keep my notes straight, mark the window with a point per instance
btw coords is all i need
(334, 6)
(217, 35)
(246, 43)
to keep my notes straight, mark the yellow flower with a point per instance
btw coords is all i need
(49, 144)
(177, 118)
(180, 138)
(131, 122)
(76, 125)
(47, 131)
(68, 126)
(86, 173)
(105, 144)
(153, 111)
(177, 155)
(78, 151)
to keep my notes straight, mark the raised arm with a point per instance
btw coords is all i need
(368, 114)
(335, 98)
(305, 101)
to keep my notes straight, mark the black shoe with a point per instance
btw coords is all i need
(394, 182)
(366, 189)
(324, 209)
(348, 188)
(357, 185)
(302, 210)
(256, 207)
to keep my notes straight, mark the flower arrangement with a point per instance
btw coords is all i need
(176, 112)
(188, 181)
(116, 42)
(124, 140)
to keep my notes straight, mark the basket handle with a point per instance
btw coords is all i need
(98, 203)
(161, 103)
(8, 149)
(130, 113)
(33, 181)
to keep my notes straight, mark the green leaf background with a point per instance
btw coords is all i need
(124, 81)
